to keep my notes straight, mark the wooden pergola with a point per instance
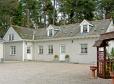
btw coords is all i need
(104, 63)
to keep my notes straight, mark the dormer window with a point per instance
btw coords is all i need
(91, 26)
(50, 32)
(85, 28)
(11, 37)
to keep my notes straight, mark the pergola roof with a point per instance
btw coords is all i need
(104, 38)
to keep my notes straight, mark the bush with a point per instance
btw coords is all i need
(67, 56)
(56, 56)
(112, 52)
(112, 67)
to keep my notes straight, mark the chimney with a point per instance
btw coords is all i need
(33, 35)
(104, 16)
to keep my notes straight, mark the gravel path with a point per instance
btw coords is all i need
(47, 73)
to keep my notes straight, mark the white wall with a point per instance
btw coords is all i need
(84, 22)
(30, 44)
(11, 31)
(1, 50)
(72, 49)
(19, 51)
(111, 27)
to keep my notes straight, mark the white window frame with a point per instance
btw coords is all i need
(50, 32)
(50, 49)
(11, 37)
(12, 50)
(85, 28)
(28, 50)
(84, 48)
(63, 49)
(41, 49)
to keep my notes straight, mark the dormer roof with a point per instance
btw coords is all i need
(86, 22)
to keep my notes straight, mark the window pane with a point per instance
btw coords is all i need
(50, 32)
(40, 49)
(50, 49)
(13, 50)
(83, 48)
(85, 28)
(62, 48)
(11, 36)
(28, 50)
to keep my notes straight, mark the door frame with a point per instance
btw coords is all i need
(29, 52)
(62, 53)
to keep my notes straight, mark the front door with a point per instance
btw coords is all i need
(62, 53)
(29, 53)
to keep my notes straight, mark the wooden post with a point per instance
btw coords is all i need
(93, 69)
(97, 61)
(104, 62)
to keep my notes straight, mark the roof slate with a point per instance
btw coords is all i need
(71, 30)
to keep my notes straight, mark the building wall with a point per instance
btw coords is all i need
(19, 51)
(11, 31)
(1, 50)
(25, 45)
(111, 27)
(73, 48)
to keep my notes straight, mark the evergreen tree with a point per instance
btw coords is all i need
(108, 7)
(77, 10)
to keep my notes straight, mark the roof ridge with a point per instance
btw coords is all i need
(21, 27)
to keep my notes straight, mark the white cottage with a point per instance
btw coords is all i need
(1, 50)
(75, 40)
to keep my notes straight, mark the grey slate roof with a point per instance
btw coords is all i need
(71, 30)
(24, 33)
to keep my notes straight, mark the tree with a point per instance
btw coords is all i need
(77, 10)
(18, 17)
(85, 9)
(7, 10)
(108, 7)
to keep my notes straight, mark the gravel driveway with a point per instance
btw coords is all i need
(47, 73)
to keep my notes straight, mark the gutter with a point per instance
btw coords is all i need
(66, 38)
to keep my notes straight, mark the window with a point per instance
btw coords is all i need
(11, 37)
(50, 49)
(83, 48)
(28, 50)
(90, 26)
(62, 48)
(13, 50)
(40, 49)
(50, 32)
(85, 28)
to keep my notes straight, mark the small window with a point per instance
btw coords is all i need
(90, 26)
(40, 49)
(50, 32)
(11, 37)
(13, 50)
(84, 48)
(62, 48)
(85, 28)
(28, 50)
(50, 49)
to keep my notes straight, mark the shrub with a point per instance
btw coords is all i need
(56, 56)
(67, 56)
(112, 67)
(112, 52)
